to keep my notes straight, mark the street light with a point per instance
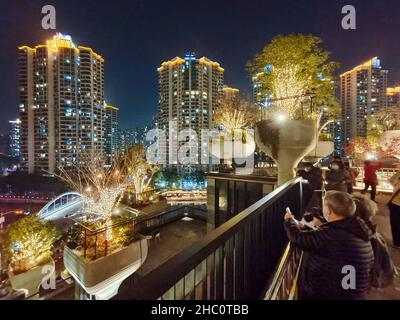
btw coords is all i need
(2, 218)
(281, 117)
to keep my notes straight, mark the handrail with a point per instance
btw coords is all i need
(287, 271)
(283, 285)
(278, 276)
(294, 292)
(164, 277)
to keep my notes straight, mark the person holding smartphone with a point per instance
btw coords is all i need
(344, 240)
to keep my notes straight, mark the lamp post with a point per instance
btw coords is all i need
(2, 218)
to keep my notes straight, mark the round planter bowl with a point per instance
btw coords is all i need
(231, 150)
(227, 148)
(287, 142)
(322, 150)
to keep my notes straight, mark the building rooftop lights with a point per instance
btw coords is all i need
(393, 91)
(375, 62)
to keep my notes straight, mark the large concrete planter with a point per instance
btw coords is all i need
(102, 277)
(231, 147)
(322, 150)
(287, 142)
(29, 282)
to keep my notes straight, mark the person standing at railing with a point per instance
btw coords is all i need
(313, 175)
(394, 207)
(337, 178)
(343, 243)
(370, 177)
(353, 172)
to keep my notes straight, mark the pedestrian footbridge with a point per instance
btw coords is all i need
(64, 205)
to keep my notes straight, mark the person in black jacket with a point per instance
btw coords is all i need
(313, 175)
(343, 242)
(337, 177)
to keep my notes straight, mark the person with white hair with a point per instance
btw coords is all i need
(344, 241)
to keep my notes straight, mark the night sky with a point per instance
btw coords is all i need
(135, 37)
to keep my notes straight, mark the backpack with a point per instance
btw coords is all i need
(383, 270)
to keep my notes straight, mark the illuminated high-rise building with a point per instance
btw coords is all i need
(130, 137)
(230, 93)
(362, 93)
(261, 98)
(189, 90)
(61, 90)
(111, 131)
(393, 97)
(14, 138)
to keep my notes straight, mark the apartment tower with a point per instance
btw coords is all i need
(362, 93)
(61, 89)
(189, 90)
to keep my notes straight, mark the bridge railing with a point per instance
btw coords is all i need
(234, 261)
(62, 201)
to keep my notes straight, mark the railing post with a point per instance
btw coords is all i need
(301, 197)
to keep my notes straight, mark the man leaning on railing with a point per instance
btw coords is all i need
(337, 254)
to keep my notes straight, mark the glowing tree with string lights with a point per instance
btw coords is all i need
(138, 169)
(30, 243)
(382, 140)
(296, 77)
(234, 116)
(101, 186)
(104, 231)
(295, 73)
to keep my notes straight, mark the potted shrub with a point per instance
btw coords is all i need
(294, 81)
(102, 249)
(234, 144)
(99, 263)
(29, 247)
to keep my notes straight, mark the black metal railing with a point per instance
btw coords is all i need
(144, 223)
(284, 285)
(234, 261)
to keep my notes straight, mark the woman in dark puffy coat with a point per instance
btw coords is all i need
(383, 269)
(337, 177)
(313, 175)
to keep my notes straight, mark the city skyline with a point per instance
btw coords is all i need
(131, 66)
(221, 152)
